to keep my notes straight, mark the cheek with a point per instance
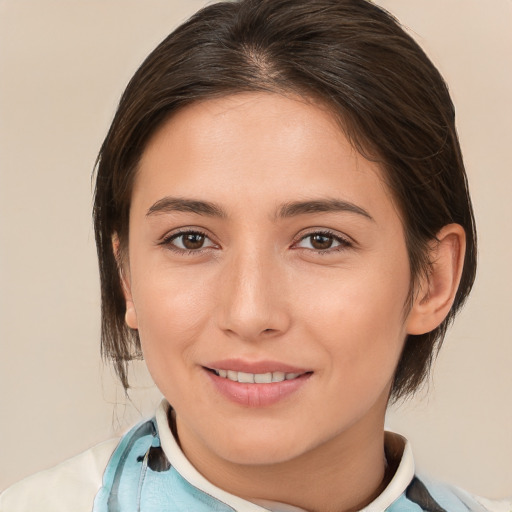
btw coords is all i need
(172, 310)
(360, 318)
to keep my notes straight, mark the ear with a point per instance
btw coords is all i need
(437, 290)
(130, 316)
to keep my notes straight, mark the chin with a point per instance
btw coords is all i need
(260, 447)
(262, 455)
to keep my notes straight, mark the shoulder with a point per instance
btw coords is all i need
(412, 491)
(436, 496)
(70, 485)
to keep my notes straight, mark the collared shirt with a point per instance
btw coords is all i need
(147, 471)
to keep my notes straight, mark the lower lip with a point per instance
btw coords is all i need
(257, 395)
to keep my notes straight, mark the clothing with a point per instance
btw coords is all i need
(148, 472)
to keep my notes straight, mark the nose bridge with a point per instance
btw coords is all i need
(250, 304)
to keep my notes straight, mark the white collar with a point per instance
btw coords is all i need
(392, 492)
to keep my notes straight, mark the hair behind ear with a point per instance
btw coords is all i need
(432, 307)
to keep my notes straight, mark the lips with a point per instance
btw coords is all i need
(256, 384)
(254, 367)
(255, 378)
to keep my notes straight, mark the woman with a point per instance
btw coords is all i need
(284, 232)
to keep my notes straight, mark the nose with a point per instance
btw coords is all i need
(253, 302)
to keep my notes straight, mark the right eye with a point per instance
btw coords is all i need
(188, 241)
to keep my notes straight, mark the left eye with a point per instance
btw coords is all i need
(322, 241)
(190, 241)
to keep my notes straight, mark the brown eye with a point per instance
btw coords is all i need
(189, 241)
(321, 242)
(193, 241)
(326, 242)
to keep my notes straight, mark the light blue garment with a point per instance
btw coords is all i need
(139, 478)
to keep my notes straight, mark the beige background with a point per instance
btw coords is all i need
(63, 65)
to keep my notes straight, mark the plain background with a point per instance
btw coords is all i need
(63, 66)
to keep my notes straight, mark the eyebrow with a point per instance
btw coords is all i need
(320, 206)
(175, 204)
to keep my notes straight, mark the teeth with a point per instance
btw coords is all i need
(263, 378)
(246, 377)
(258, 378)
(278, 376)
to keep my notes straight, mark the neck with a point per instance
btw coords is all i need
(345, 473)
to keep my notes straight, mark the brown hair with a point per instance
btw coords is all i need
(351, 55)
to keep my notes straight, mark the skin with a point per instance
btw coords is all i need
(260, 287)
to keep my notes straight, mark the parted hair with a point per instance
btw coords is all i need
(350, 55)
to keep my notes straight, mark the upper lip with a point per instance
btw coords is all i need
(257, 367)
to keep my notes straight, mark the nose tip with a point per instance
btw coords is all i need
(249, 320)
(253, 302)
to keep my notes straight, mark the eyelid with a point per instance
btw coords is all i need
(167, 239)
(345, 242)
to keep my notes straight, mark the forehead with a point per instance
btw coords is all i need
(274, 147)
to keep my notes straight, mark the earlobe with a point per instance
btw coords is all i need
(437, 291)
(130, 316)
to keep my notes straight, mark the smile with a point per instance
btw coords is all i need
(269, 382)
(255, 378)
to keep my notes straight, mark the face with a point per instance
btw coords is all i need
(267, 277)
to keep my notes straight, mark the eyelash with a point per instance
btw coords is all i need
(168, 240)
(343, 242)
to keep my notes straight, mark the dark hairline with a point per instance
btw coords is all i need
(432, 122)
